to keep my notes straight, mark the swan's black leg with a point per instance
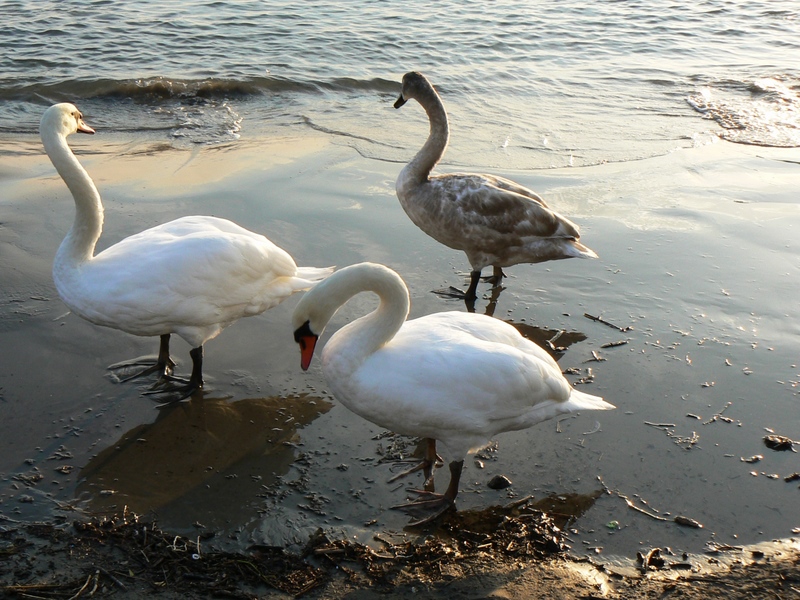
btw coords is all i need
(497, 276)
(177, 393)
(496, 280)
(470, 296)
(472, 290)
(163, 365)
(196, 379)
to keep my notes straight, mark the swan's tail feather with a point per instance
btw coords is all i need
(582, 401)
(313, 275)
(583, 251)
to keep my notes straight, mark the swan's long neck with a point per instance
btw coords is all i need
(355, 342)
(419, 169)
(78, 246)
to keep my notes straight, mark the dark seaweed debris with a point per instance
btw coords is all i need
(122, 551)
(514, 532)
(127, 555)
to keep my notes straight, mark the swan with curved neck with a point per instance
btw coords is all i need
(452, 377)
(193, 276)
(495, 221)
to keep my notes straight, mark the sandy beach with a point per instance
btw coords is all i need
(697, 276)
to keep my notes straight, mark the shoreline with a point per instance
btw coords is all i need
(126, 557)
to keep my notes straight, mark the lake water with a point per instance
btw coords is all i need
(669, 133)
(530, 84)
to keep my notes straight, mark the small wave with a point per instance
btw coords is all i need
(765, 112)
(164, 88)
(157, 89)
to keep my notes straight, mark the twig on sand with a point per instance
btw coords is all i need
(604, 322)
(680, 520)
(116, 581)
(718, 415)
(595, 357)
(660, 425)
(93, 577)
(614, 344)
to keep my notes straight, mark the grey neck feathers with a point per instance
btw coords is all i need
(418, 170)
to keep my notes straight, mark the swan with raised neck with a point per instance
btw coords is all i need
(78, 246)
(494, 221)
(193, 276)
(452, 377)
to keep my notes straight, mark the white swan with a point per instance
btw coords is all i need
(495, 221)
(453, 377)
(193, 276)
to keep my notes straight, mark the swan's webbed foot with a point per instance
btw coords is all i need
(450, 292)
(496, 278)
(432, 504)
(163, 365)
(177, 389)
(173, 389)
(150, 367)
(471, 295)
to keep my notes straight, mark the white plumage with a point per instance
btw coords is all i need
(193, 276)
(495, 221)
(452, 377)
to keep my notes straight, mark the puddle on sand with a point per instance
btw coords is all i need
(187, 465)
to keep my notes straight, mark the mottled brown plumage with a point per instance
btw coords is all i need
(495, 221)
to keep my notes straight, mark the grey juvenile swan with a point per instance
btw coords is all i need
(495, 221)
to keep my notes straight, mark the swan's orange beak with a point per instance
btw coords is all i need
(307, 341)
(307, 344)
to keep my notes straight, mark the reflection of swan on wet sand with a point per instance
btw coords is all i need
(193, 276)
(496, 222)
(453, 377)
(180, 465)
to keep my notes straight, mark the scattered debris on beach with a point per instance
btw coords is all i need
(124, 552)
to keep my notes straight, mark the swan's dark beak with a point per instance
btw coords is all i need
(400, 101)
(83, 127)
(307, 341)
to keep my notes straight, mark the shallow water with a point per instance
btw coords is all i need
(698, 255)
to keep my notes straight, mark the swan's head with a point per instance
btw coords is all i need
(320, 303)
(307, 340)
(414, 83)
(63, 119)
(309, 319)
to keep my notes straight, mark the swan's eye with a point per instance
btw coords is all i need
(301, 332)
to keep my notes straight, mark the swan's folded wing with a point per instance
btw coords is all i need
(195, 270)
(490, 203)
(452, 382)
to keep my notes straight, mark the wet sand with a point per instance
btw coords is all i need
(698, 258)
